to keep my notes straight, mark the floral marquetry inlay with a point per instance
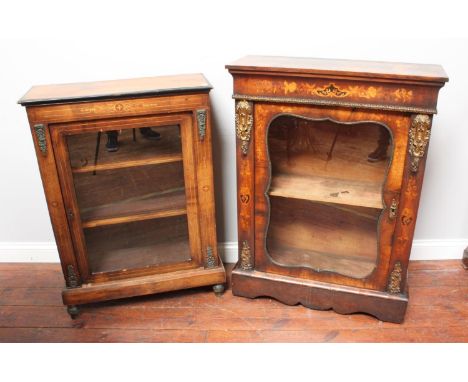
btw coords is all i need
(403, 95)
(289, 87)
(336, 91)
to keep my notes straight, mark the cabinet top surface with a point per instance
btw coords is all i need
(129, 88)
(335, 67)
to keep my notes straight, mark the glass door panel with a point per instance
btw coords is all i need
(130, 193)
(326, 193)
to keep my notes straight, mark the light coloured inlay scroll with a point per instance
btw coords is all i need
(244, 123)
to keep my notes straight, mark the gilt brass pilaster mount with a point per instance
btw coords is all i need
(210, 261)
(246, 262)
(419, 134)
(201, 120)
(244, 123)
(72, 277)
(394, 283)
(39, 129)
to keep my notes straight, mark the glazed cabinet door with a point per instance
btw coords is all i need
(130, 194)
(327, 189)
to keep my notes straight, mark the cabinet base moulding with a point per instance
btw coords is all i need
(145, 285)
(319, 295)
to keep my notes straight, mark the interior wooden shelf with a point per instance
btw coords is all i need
(328, 190)
(131, 153)
(150, 206)
(323, 236)
(140, 256)
(348, 265)
(130, 163)
(138, 244)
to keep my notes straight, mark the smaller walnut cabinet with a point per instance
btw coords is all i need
(330, 164)
(127, 172)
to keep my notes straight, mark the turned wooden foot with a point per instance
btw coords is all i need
(218, 289)
(73, 311)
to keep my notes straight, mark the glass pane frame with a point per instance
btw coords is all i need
(59, 134)
(389, 244)
(287, 198)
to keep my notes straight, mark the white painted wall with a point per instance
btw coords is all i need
(57, 41)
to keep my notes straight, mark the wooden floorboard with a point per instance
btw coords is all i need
(31, 310)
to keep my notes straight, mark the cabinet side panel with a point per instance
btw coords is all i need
(245, 147)
(191, 181)
(407, 212)
(204, 166)
(53, 193)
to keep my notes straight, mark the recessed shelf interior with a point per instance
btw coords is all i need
(326, 193)
(130, 193)
(134, 149)
(138, 244)
(131, 201)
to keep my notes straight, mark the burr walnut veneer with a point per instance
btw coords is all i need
(330, 164)
(135, 215)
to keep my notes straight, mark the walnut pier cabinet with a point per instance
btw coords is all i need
(330, 164)
(127, 172)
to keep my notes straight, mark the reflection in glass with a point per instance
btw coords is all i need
(129, 187)
(326, 193)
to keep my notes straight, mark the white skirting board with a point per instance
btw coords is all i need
(46, 252)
